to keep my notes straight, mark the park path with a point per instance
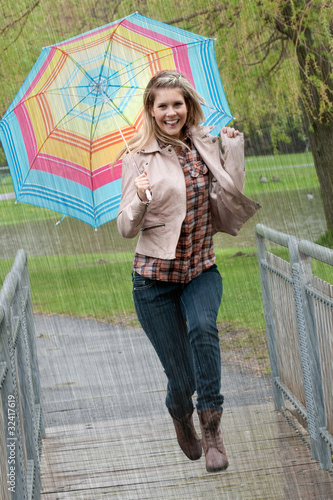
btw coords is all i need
(108, 433)
(7, 196)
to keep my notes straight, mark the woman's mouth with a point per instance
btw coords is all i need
(171, 123)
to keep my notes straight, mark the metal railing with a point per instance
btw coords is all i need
(298, 309)
(21, 422)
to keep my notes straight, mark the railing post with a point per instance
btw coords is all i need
(10, 392)
(20, 405)
(268, 313)
(303, 333)
(21, 267)
(312, 370)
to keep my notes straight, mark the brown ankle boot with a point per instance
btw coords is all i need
(212, 443)
(187, 438)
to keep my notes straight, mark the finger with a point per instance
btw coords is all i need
(142, 185)
(142, 181)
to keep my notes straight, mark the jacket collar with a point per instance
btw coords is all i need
(201, 132)
(152, 145)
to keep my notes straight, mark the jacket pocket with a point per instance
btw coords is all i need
(151, 227)
(198, 169)
(199, 177)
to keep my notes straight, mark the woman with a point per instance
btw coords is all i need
(184, 195)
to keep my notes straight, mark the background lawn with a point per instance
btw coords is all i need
(98, 285)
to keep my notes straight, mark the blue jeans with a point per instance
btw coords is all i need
(180, 322)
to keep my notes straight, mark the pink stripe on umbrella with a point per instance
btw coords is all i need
(76, 173)
(39, 74)
(27, 131)
(183, 65)
(63, 168)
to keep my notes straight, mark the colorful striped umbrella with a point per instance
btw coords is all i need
(83, 97)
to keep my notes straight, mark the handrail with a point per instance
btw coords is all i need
(21, 421)
(316, 251)
(298, 319)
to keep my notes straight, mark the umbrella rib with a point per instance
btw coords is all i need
(46, 138)
(144, 66)
(84, 95)
(109, 99)
(93, 129)
(90, 155)
(176, 49)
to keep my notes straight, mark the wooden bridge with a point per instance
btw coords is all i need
(108, 434)
(93, 395)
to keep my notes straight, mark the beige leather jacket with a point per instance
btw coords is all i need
(159, 223)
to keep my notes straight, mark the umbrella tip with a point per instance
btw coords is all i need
(59, 221)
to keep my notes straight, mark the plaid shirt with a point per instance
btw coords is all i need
(194, 251)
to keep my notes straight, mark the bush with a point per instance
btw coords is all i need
(326, 240)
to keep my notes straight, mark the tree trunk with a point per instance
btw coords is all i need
(315, 66)
(321, 140)
(319, 124)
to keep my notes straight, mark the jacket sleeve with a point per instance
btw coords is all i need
(132, 211)
(234, 162)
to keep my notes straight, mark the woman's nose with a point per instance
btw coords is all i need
(171, 111)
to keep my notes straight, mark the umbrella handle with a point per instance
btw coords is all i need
(148, 194)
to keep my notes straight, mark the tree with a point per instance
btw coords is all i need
(275, 58)
(278, 58)
(309, 26)
(14, 18)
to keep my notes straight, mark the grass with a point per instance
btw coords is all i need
(99, 285)
(6, 185)
(286, 167)
(326, 240)
(295, 171)
(21, 213)
(18, 213)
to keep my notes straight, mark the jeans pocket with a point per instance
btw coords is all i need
(140, 282)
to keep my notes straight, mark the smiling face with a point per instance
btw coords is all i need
(170, 111)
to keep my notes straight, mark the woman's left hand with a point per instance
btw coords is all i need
(230, 131)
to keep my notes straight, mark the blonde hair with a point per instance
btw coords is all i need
(167, 79)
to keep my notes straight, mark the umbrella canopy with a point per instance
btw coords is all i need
(83, 97)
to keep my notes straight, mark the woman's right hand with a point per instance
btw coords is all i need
(142, 184)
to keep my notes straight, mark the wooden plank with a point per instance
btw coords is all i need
(130, 458)
(134, 454)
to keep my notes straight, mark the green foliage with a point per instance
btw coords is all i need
(326, 240)
(256, 56)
